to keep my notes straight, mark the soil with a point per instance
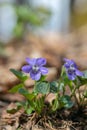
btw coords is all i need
(72, 119)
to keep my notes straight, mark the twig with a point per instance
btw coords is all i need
(49, 126)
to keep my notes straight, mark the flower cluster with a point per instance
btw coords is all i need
(36, 69)
(70, 77)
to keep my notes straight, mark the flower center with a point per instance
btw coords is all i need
(71, 70)
(35, 68)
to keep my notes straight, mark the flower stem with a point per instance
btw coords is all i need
(74, 94)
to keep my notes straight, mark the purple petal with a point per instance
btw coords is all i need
(66, 60)
(43, 70)
(71, 76)
(74, 64)
(66, 65)
(41, 61)
(79, 73)
(35, 76)
(26, 68)
(31, 61)
(69, 63)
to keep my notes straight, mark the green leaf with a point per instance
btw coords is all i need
(54, 87)
(13, 110)
(66, 101)
(42, 87)
(83, 79)
(43, 77)
(39, 104)
(85, 94)
(61, 86)
(19, 104)
(26, 14)
(85, 74)
(19, 75)
(66, 81)
(16, 88)
(26, 94)
(55, 104)
(29, 110)
(27, 107)
(18, 30)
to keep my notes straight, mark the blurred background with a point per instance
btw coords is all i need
(40, 28)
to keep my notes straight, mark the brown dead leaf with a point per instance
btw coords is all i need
(8, 127)
(11, 119)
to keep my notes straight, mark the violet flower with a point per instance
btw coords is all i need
(35, 67)
(72, 69)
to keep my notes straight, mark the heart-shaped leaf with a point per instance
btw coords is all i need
(54, 87)
(66, 101)
(42, 87)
